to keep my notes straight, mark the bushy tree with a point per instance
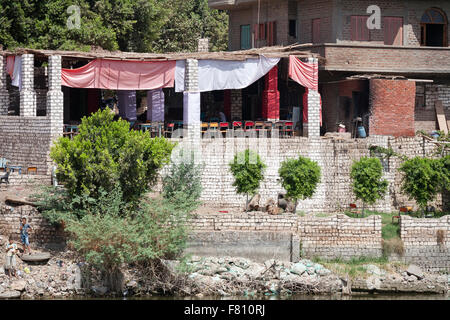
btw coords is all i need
(182, 185)
(106, 153)
(190, 20)
(422, 179)
(126, 25)
(368, 185)
(154, 231)
(248, 171)
(299, 177)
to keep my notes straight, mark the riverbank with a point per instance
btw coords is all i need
(63, 276)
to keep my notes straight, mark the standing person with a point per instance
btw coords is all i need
(24, 227)
(11, 251)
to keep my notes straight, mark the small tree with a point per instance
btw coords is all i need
(299, 177)
(422, 179)
(106, 153)
(368, 184)
(183, 186)
(248, 171)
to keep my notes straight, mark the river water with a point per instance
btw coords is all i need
(293, 297)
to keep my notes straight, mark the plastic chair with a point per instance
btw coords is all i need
(289, 129)
(32, 169)
(169, 129)
(249, 125)
(223, 127)
(280, 127)
(214, 126)
(204, 128)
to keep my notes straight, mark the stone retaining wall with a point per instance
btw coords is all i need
(426, 242)
(249, 235)
(43, 234)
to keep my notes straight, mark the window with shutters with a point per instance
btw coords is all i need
(315, 31)
(246, 40)
(359, 29)
(260, 31)
(393, 31)
(271, 33)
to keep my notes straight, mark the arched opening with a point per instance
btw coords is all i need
(434, 28)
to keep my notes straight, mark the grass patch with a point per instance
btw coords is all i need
(389, 230)
(355, 267)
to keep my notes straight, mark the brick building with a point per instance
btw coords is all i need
(402, 67)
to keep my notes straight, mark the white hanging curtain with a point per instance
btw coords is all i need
(223, 74)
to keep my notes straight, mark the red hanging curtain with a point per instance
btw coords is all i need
(306, 74)
(121, 75)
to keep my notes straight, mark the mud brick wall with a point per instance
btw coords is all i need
(25, 141)
(426, 242)
(249, 235)
(43, 234)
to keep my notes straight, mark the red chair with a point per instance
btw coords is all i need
(237, 125)
(249, 125)
(289, 129)
(223, 127)
(169, 130)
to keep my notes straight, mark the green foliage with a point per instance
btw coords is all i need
(248, 171)
(422, 179)
(189, 20)
(387, 152)
(182, 185)
(107, 153)
(127, 25)
(368, 184)
(445, 173)
(299, 177)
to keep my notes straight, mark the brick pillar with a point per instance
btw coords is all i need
(392, 107)
(4, 94)
(227, 104)
(27, 94)
(55, 96)
(203, 45)
(271, 96)
(191, 111)
(191, 101)
(236, 104)
(311, 129)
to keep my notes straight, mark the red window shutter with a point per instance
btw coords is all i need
(359, 30)
(262, 31)
(271, 33)
(255, 31)
(393, 31)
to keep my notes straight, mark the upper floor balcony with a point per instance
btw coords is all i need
(382, 58)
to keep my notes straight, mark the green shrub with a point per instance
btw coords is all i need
(422, 179)
(106, 153)
(248, 171)
(368, 184)
(299, 177)
(183, 185)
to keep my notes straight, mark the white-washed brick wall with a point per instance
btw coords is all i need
(427, 242)
(4, 94)
(27, 94)
(335, 157)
